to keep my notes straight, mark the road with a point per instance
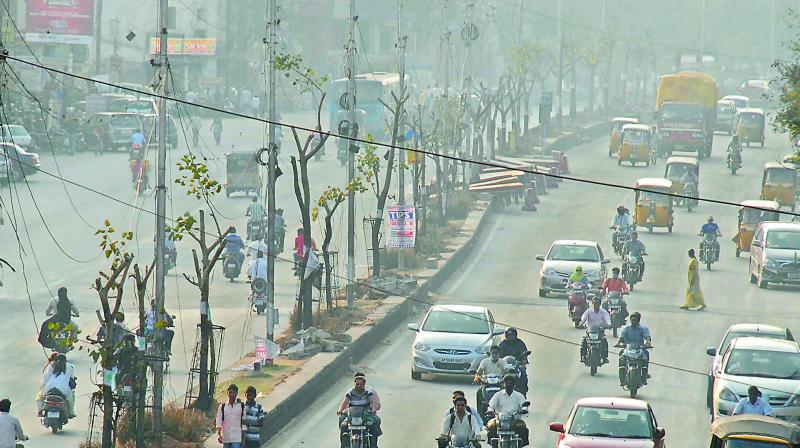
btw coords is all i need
(502, 277)
(72, 213)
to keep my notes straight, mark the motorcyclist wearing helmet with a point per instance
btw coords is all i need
(596, 319)
(637, 335)
(513, 346)
(711, 228)
(734, 150)
(636, 248)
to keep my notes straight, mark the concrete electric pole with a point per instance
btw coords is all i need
(161, 208)
(272, 25)
(351, 156)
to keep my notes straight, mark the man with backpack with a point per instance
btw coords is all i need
(460, 424)
(230, 414)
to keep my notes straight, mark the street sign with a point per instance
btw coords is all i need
(402, 226)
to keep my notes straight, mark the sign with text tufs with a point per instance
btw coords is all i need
(402, 226)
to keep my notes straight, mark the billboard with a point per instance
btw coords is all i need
(402, 226)
(60, 21)
(177, 45)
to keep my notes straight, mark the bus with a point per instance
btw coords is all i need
(371, 89)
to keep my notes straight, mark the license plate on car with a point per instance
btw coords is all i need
(794, 276)
(53, 414)
(451, 360)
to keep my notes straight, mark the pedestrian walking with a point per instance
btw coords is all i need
(694, 296)
(253, 419)
(230, 416)
(216, 129)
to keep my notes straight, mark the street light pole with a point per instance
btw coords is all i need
(161, 209)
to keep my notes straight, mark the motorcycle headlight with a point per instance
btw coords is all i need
(421, 347)
(549, 271)
(728, 395)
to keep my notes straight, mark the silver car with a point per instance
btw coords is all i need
(740, 331)
(772, 365)
(562, 259)
(453, 339)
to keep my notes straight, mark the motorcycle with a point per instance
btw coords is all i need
(516, 367)
(734, 160)
(356, 428)
(690, 190)
(631, 270)
(594, 350)
(231, 267)
(490, 385)
(615, 305)
(55, 414)
(618, 240)
(254, 230)
(578, 301)
(457, 441)
(709, 250)
(258, 298)
(634, 363)
(505, 422)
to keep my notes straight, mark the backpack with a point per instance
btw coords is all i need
(222, 407)
(467, 414)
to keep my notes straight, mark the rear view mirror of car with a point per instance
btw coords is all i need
(711, 351)
(540, 257)
(413, 327)
(557, 427)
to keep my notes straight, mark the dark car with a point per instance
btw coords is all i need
(111, 130)
(151, 133)
(23, 163)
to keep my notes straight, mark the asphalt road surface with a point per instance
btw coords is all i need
(502, 276)
(72, 214)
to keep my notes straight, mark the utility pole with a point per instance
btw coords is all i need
(772, 31)
(445, 46)
(401, 153)
(98, 36)
(351, 156)
(272, 25)
(521, 22)
(162, 65)
(560, 38)
(702, 34)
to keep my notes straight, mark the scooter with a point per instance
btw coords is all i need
(578, 294)
(55, 414)
(258, 297)
(709, 250)
(490, 385)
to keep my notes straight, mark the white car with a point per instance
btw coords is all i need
(562, 259)
(773, 254)
(740, 101)
(14, 133)
(740, 331)
(771, 365)
(452, 339)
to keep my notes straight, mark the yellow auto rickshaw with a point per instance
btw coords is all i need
(754, 431)
(779, 183)
(653, 204)
(750, 124)
(676, 169)
(635, 146)
(243, 173)
(751, 214)
(616, 132)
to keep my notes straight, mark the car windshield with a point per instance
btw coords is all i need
(783, 239)
(742, 334)
(613, 423)
(764, 364)
(447, 321)
(573, 253)
(681, 112)
(745, 443)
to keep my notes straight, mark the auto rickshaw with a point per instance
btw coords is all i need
(754, 431)
(616, 132)
(751, 214)
(635, 146)
(750, 125)
(779, 183)
(653, 204)
(243, 174)
(677, 167)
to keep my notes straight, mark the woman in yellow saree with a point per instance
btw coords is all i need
(694, 296)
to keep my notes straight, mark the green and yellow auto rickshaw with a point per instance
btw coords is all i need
(635, 146)
(616, 133)
(754, 431)
(751, 214)
(653, 204)
(750, 124)
(779, 183)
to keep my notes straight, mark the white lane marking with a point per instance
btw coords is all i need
(475, 258)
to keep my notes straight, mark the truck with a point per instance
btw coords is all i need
(686, 113)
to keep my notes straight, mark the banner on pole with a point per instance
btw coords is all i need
(402, 226)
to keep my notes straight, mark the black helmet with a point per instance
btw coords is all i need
(511, 330)
(621, 208)
(636, 315)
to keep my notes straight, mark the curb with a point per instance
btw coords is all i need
(283, 412)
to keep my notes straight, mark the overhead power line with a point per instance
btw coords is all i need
(488, 164)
